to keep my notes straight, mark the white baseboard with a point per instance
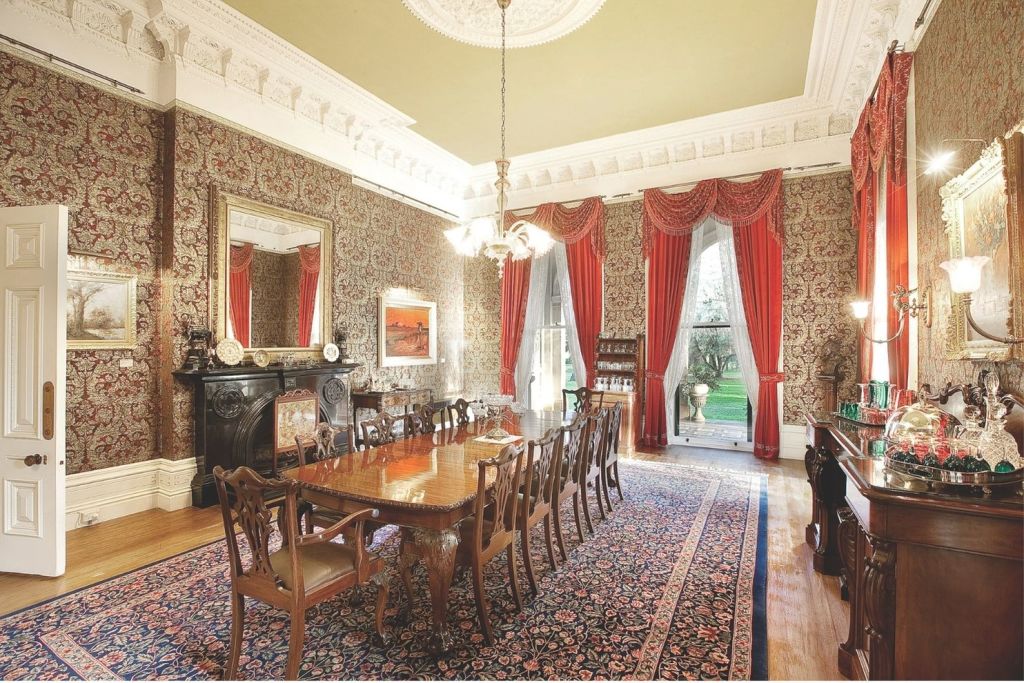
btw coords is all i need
(794, 442)
(126, 489)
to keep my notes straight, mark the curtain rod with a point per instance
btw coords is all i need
(60, 60)
(665, 187)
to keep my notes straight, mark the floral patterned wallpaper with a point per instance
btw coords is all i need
(969, 83)
(819, 263)
(63, 142)
(625, 293)
(481, 360)
(379, 244)
(273, 313)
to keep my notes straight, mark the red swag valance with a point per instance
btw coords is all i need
(569, 226)
(738, 203)
(241, 257)
(309, 258)
(881, 131)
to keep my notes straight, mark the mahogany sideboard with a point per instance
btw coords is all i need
(935, 575)
(233, 409)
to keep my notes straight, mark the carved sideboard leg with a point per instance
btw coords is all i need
(437, 548)
(829, 485)
(851, 550)
(879, 608)
(811, 531)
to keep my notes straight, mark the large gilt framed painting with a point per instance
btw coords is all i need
(100, 310)
(407, 331)
(981, 212)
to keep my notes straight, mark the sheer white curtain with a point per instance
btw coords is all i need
(737, 320)
(536, 299)
(680, 359)
(568, 316)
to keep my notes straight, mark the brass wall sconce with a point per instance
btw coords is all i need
(906, 304)
(965, 280)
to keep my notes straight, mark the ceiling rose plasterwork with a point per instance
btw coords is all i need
(478, 22)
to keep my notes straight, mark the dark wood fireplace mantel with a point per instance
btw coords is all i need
(233, 412)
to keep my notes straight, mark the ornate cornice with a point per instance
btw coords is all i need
(208, 56)
(530, 22)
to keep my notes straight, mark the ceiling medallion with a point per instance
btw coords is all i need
(532, 23)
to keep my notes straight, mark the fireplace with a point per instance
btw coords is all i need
(234, 414)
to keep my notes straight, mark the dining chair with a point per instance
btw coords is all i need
(535, 500)
(458, 412)
(420, 421)
(378, 430)
(595, 442)
(568, 454)
(610, 475)
(489, 531)
(308, 569)
(581, 400)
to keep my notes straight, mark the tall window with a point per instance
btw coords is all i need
(713, 360)
(880, 300)
(552, 364)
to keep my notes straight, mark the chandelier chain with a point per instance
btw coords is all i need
(503, 82)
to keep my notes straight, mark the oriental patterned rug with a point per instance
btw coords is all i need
(671, 586)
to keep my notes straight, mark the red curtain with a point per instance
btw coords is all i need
(754, 206)
(585, 260)
(239, 292)
(881, 134)
(515, 287)
(759, 265)
(309, 276)
(666, 276)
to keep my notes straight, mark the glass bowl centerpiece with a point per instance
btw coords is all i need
(494, 411)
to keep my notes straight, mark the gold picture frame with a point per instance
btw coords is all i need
(222, 204)
(406, 331)
(101, 310)
(982, 212)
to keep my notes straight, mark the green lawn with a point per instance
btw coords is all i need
(729, 401)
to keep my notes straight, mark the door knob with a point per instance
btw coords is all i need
(36, 459)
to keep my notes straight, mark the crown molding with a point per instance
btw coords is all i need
(849, 42)
(207, 55)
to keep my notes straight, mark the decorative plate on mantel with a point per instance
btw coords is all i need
(261, 358)
(331, 352)
(230, 351)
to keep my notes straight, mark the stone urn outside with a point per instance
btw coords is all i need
(699, 399)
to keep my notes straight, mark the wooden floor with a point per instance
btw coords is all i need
(806, 618)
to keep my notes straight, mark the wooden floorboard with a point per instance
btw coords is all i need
(806, 618)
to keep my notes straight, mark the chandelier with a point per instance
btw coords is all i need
(489, 235)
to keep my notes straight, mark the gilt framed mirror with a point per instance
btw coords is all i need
(983, 215)
(270, 276)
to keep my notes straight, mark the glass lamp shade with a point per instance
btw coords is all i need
(461, 240)
(860, 309)
(965, 273)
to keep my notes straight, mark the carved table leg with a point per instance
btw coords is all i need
(879, 608)
(437, 548)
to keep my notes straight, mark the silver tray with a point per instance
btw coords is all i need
(985, 479)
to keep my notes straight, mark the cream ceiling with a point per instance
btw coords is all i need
(635, 64)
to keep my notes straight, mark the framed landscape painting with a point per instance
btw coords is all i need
(100, 310)
(407, 332)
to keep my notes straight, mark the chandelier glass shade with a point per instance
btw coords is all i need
(490, 236)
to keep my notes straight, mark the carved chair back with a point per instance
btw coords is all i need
(420, 421)
(540, 475)
(458, 412)
(245, 501)
(324, 444)
(569, 453)
(581, 400)
(495, 508)
(595, 445)
(379, 430)
(614, 425)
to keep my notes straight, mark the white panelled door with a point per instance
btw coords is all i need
(33, 285)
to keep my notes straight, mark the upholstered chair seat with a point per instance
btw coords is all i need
(320, 563)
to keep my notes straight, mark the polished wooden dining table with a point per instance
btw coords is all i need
(426, 484)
